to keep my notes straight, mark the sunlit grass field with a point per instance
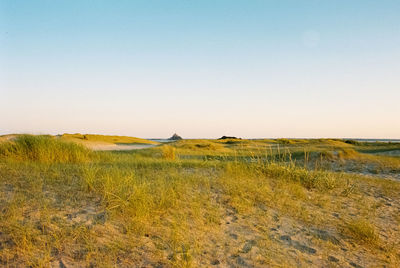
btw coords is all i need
(199, 203)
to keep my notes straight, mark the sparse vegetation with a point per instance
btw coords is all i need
(197, 203)
(362, 230)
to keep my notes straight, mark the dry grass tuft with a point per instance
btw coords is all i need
(362, 230)
(44, 149)
(168, 152)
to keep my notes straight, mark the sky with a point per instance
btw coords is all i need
(202, 69)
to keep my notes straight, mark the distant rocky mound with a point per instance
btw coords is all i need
(229, 137)
(175, 137)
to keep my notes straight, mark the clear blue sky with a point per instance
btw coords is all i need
(309, 68)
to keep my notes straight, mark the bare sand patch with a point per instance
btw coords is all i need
(119, 147)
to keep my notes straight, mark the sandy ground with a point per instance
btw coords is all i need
(97, 146)
(7, 137)
(119, 147)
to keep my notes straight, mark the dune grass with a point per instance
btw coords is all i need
(106, 139)
(168, 152)
(162, 207)
(362, 230)
(44, 149)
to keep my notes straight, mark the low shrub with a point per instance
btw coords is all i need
(168, 152)
(353, 142)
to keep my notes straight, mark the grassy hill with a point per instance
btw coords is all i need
(106, 139)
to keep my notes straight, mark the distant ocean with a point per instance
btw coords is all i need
(376, 140)
(160, 140)
(365, 140)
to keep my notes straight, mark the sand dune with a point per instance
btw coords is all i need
(119, 147)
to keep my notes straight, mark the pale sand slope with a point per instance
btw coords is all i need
(118, 147)
(94, 145)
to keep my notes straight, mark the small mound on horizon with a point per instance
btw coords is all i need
(229, 138)
(175, 137)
